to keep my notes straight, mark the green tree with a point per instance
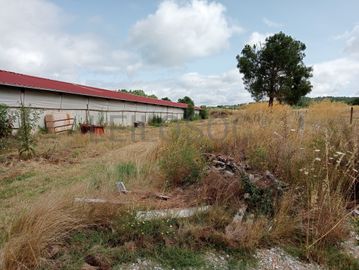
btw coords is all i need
(166, 98)
(189, 111)
(355, 101)
(203, 113)
(186, 100)
(276, 69)
(137, 92)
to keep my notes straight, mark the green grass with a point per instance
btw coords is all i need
(18, 178)
(158, 241)
(126, 170)
(337, 260)
(332, 257)
(178, 258)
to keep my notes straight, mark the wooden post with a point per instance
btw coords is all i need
(351, 115)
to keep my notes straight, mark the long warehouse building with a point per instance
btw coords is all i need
(84, 103)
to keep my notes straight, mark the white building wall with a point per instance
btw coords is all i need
(10, 96)
(40, 99)
(82, 107)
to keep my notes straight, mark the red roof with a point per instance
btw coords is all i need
(26, 81)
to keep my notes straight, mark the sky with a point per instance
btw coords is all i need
(175, 48)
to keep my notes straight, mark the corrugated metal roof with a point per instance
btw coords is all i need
(27, 81)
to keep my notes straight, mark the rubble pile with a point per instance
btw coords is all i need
(228, 167)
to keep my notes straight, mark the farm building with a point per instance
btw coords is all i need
(84, 103)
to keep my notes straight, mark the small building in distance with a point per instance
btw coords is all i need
(84, 103)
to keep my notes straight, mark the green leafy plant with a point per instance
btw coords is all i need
(28, 120)
(5, 125)
(182, 162)
(203, 113)
(126, 170)
(156, 121)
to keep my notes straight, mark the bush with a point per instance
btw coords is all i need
(5, 121)
(189, 112)
(355, 101)
(28, 119)
(181, 157)
(203, 113)
(126, 170)
(5, 125)
(156, 121)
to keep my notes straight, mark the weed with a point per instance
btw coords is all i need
(28, 119)
(152, 232)
(259, 201)
(156, 121)
(5, 125)
(126, 170)
(178, 258)
(181, 157)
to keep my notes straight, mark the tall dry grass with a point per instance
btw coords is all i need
(48, 223)
(314, 150)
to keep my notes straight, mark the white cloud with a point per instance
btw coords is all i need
(339, 77)
(34, 40)
(181, 31)
(257, 38)
(271, 23)
(225, 88)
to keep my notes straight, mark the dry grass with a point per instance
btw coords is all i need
(314, 150)
(319, 158)
(48, 222)
(219, 190)
(248, 234)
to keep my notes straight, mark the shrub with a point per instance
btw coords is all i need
(5, 121)
(5, 125)
(355, 101)
(181, 157)
(126, 170)
(156, 121)
(203, 113)
(28, 119)
(189, 112)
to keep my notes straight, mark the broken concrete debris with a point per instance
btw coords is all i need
(96, 201)
(240, 214)
(121, 187)
(162, 197)
(171, 213)
(229, 168)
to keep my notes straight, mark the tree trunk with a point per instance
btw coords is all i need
(271, 99)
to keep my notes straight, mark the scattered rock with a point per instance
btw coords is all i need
(121, 187)
(162, 197)
(240, 214)
(229, 168)
(86, 266)
(96, 201)
(173, 213)
(351, 246)
(53, 251)
(97, 261)
(276, 258)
